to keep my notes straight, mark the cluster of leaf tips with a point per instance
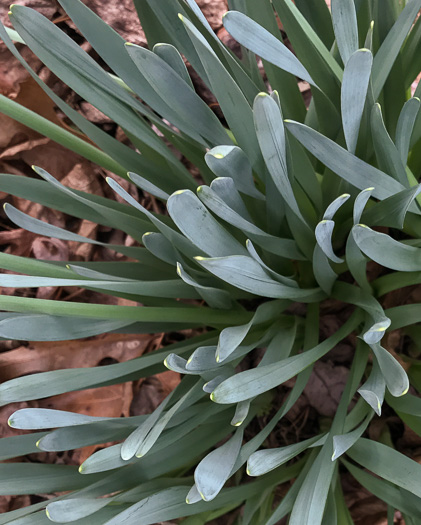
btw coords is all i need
(287, 189)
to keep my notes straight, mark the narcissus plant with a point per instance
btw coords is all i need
(290, 205)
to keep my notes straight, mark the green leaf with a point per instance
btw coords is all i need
(401, 499)
(147, 186)
(132, 444)
(310, 503)
(178, 240)
(53, 328)
(373, 390)
(166, 288)
(69, 438)
(271, 135)
(288, 281)
(34, 478)
(78, 70)
(407, 404)
(198, 225)
(323, 272)
(384, 250)
(392, 211)
(213, 296)
(202, 358)
(121, 154)
(310, 50)
(394, 375)
(342, 442)
(382, 460)
(225, 189)
(389, 50)
(345, 26)
(335, 205)
(324, 231)
(287, 502)
(354, 92)
(192, 113)
(46, 384)
(41, 418)
(263, 461)
(155, 508)
(149, 441)
(284, 247)
(241, 413)
(319, 16)
(411, 54)
(247, 274)
(16, 446)
(251, 383)
(161, 247)
(387, 155)
(231, 337)
(234, 105)
(347, 166)
(231, 161)
(58, 134)
(256, 38)
(213, 471)
(405, 127)
(360, 203)
(88, 207)
(49, 230)
(74, 509)
(173, 58)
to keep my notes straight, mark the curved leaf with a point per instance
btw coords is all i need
(213, 471)
(384, 250)
(247, 274)
(256, 38)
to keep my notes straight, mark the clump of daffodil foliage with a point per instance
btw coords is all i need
(287, 212)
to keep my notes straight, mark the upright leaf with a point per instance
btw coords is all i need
(354, 92)
(345, 27)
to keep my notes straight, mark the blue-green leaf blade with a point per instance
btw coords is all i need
(345, 26)
(256, 38)
(353, 94)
